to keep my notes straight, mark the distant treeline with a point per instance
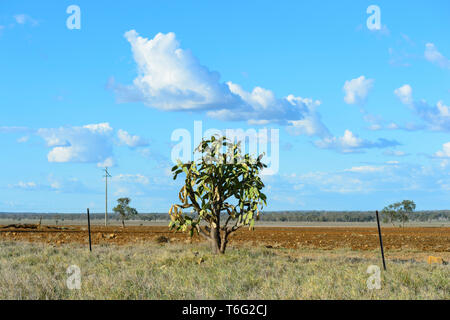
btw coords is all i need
(348, 216)
(310, 216)
(80, 216)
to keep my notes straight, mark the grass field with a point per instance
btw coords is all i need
(182, 271)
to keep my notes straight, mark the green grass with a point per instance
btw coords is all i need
(173, 271)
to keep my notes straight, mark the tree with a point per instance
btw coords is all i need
(219, 187)
(124, 210)
(398, 211)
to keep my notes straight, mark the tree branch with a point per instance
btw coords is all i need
(202, 232)
(226, 223)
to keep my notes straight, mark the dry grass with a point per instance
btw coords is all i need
(175, 271)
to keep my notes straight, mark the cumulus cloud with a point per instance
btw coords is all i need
(129, 140)
(100, 128)
(445, 152)
(350, 143)
(107, 163)
(356, 90)
(172, 79)
(261, 106)
(90, 143)
(434, 56)
(436, 117)
(404, 93)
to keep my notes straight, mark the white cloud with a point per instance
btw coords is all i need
(172, 79)
(70, 185)
(107, 163)
(132, 178)
(121, 192)
(389, 178)
(90, 143)
(23, 139)
(445, 152)
(139, 184)
(311, 125)
(365, 169)
(101, 128)
(24, 18)
(392, 126)
(26, 185)
(392, 162)
(404, 93)
(375, 127)
(396, 153)
(356, 90)
(437, 117)
(20, 18)
(349, 143)
(131, 141)
(330, 182)
(433, 55)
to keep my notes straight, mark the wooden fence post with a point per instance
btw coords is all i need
(381, 240)
(89, 230)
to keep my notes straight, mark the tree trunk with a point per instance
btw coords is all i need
(224, 243)
(215, 238)
(123, 223)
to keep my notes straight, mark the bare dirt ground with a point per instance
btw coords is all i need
(426, 239)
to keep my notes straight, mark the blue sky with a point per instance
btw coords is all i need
(363, 115)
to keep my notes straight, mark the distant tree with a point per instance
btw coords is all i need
(124, 211)
(221, 187)
(398, 211)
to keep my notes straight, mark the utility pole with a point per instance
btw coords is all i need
(106, 195)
